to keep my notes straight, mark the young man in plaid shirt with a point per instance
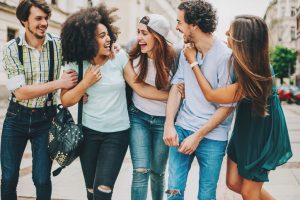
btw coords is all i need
(27, 62)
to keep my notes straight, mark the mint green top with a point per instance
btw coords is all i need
(106, 109)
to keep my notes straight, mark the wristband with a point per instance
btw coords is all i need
(194, 64)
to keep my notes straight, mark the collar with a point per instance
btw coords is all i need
(24, 43)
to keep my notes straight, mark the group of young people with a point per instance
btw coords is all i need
(180, 108)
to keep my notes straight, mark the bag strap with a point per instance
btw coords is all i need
(49, 101)
(20, 50)
(80, 103)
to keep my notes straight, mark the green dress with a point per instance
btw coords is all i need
(259, 144)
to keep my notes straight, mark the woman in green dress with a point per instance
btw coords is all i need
(260, 140)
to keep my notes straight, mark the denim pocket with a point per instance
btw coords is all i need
(11, 114)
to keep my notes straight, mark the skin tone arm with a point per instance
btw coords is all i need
(143, 89)
(70, 97)
(170, 135)
(223, 95)
(68, 80)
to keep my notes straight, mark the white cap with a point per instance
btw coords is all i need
(157, 23)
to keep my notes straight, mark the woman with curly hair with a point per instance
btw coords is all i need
(260, 140)
(153, 60)
(88, 36)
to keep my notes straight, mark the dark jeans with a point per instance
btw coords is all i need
(101, 160)
(20, 125)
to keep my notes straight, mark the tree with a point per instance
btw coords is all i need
(283, 61)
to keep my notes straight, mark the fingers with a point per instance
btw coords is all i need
(98, 75)
(70, 71)
(171, 140)
(181, 90)
(95, 70)
(167, 140)
(85, 98)
(180, 87)
(176, 140)
(185, 148)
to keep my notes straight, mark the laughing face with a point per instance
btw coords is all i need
(145, 39)
(37, 23)
(103, 40)
(184, 28)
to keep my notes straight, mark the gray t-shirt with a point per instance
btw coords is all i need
(195, 110)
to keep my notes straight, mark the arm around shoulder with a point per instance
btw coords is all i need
(141, 88)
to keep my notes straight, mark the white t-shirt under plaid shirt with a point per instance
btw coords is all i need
(35, 68)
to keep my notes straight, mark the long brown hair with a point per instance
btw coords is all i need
(250, 51)
(163, 56)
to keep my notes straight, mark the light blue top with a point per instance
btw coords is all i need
(106, 109)
(195, 110)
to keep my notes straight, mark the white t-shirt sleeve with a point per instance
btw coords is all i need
(121, 58)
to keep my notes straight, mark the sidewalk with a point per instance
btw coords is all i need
(69, 185)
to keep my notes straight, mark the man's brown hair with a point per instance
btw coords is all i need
(23, 9)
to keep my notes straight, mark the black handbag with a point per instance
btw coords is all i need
(66, 137)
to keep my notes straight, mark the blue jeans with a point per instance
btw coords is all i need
(20, 125)
(209, 154)
(148, 152)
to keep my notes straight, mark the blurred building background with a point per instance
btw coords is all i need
(281, 16)
(283, 20)
(130, 12)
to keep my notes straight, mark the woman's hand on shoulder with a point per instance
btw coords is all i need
(190, 53)
(180, 87)
(92, 75)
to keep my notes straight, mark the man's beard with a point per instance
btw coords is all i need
(187, 39)
(35, 34)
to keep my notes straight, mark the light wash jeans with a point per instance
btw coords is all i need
(148, 152)
(209, 154)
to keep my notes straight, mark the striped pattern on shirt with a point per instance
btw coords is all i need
(36, 66)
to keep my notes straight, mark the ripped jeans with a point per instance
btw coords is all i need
(101, 160)
(149, 154)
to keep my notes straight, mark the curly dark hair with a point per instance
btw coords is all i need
(78, 35)
(200, 13)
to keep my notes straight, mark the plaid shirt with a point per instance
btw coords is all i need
(35, 69)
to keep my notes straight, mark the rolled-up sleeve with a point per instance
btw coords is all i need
(13, 67)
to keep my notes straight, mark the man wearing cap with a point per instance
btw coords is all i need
(201, 127)
(32, 63)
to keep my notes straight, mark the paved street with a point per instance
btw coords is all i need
(69, 185)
